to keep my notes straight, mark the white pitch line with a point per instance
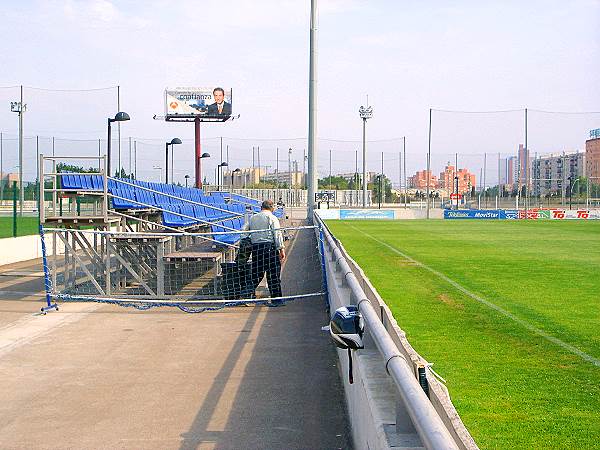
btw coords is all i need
(489, 304)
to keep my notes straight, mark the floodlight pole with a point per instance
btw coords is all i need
(428, 164)
(20, 108)
(405, 185)
(21, 193)
(312, 111)
(365, 113)
(364, 164)
(290, 171)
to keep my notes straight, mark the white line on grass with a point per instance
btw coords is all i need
(489, 304)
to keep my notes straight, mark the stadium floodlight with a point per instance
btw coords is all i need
(20, 108)
(365, 113)
(119, 117)
(174, 141)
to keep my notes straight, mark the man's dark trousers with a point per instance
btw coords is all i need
(265, 258)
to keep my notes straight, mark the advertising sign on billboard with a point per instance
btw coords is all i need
(204, 102)
(366, 214)
(584, 214)
(471, 214)
(328, 214)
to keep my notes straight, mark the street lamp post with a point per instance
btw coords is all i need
(232, 175)
(119, 117)
(187, 177)
(220, 174)
(174, 141)
(365, 113)
(571, 185)
(204, 155)
(456, 189)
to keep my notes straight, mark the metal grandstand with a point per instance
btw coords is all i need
(143, 243)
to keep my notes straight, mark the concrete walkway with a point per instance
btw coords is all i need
(91, 376)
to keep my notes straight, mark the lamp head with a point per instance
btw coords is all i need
(224, 164)
(205, 155)
(175, 141)
(365, 113)
(121, 117)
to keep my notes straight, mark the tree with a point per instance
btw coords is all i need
(333, 182)
(68, 168)
(381, 180)
(123, 174)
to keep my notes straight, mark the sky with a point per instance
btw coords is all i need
(407, 56)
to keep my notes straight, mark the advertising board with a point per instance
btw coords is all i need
(554, 214)
(582, 214)
(328, 214)
(213, 102)
(367, 214)
(471, 214)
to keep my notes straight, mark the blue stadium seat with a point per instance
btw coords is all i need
(145, 197)
(123, 203)
(174, 220)
(227, 238)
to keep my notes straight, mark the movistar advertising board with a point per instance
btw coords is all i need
(366, 214)
(471, 214)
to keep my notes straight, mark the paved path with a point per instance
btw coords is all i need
(93, 376)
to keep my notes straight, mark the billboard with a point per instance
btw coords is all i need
(366, 214)
(215, 102)
(513, 214)
(471, 214)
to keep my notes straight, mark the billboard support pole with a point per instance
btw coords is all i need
(312, 111)
(198, 153)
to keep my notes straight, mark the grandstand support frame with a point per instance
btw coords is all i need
(100, 218)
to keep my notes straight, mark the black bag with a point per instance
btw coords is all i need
(244, 251)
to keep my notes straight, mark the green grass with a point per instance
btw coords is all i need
(25, 226)
(512, 387)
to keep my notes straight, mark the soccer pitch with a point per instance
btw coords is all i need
(509, 313)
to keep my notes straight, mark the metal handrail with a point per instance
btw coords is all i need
(428, 424)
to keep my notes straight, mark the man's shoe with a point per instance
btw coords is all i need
(275, 304)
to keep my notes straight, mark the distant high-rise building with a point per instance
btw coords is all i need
(592, 158)
(466, 180)
(511, 171)
(524, 166)
(419, 180)
(551, 172)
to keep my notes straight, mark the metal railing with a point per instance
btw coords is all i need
(426, 420)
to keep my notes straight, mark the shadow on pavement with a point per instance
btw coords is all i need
(289, 395)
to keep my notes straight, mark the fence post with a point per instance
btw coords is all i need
(14, 209)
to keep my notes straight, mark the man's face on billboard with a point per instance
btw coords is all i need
(218, 96)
